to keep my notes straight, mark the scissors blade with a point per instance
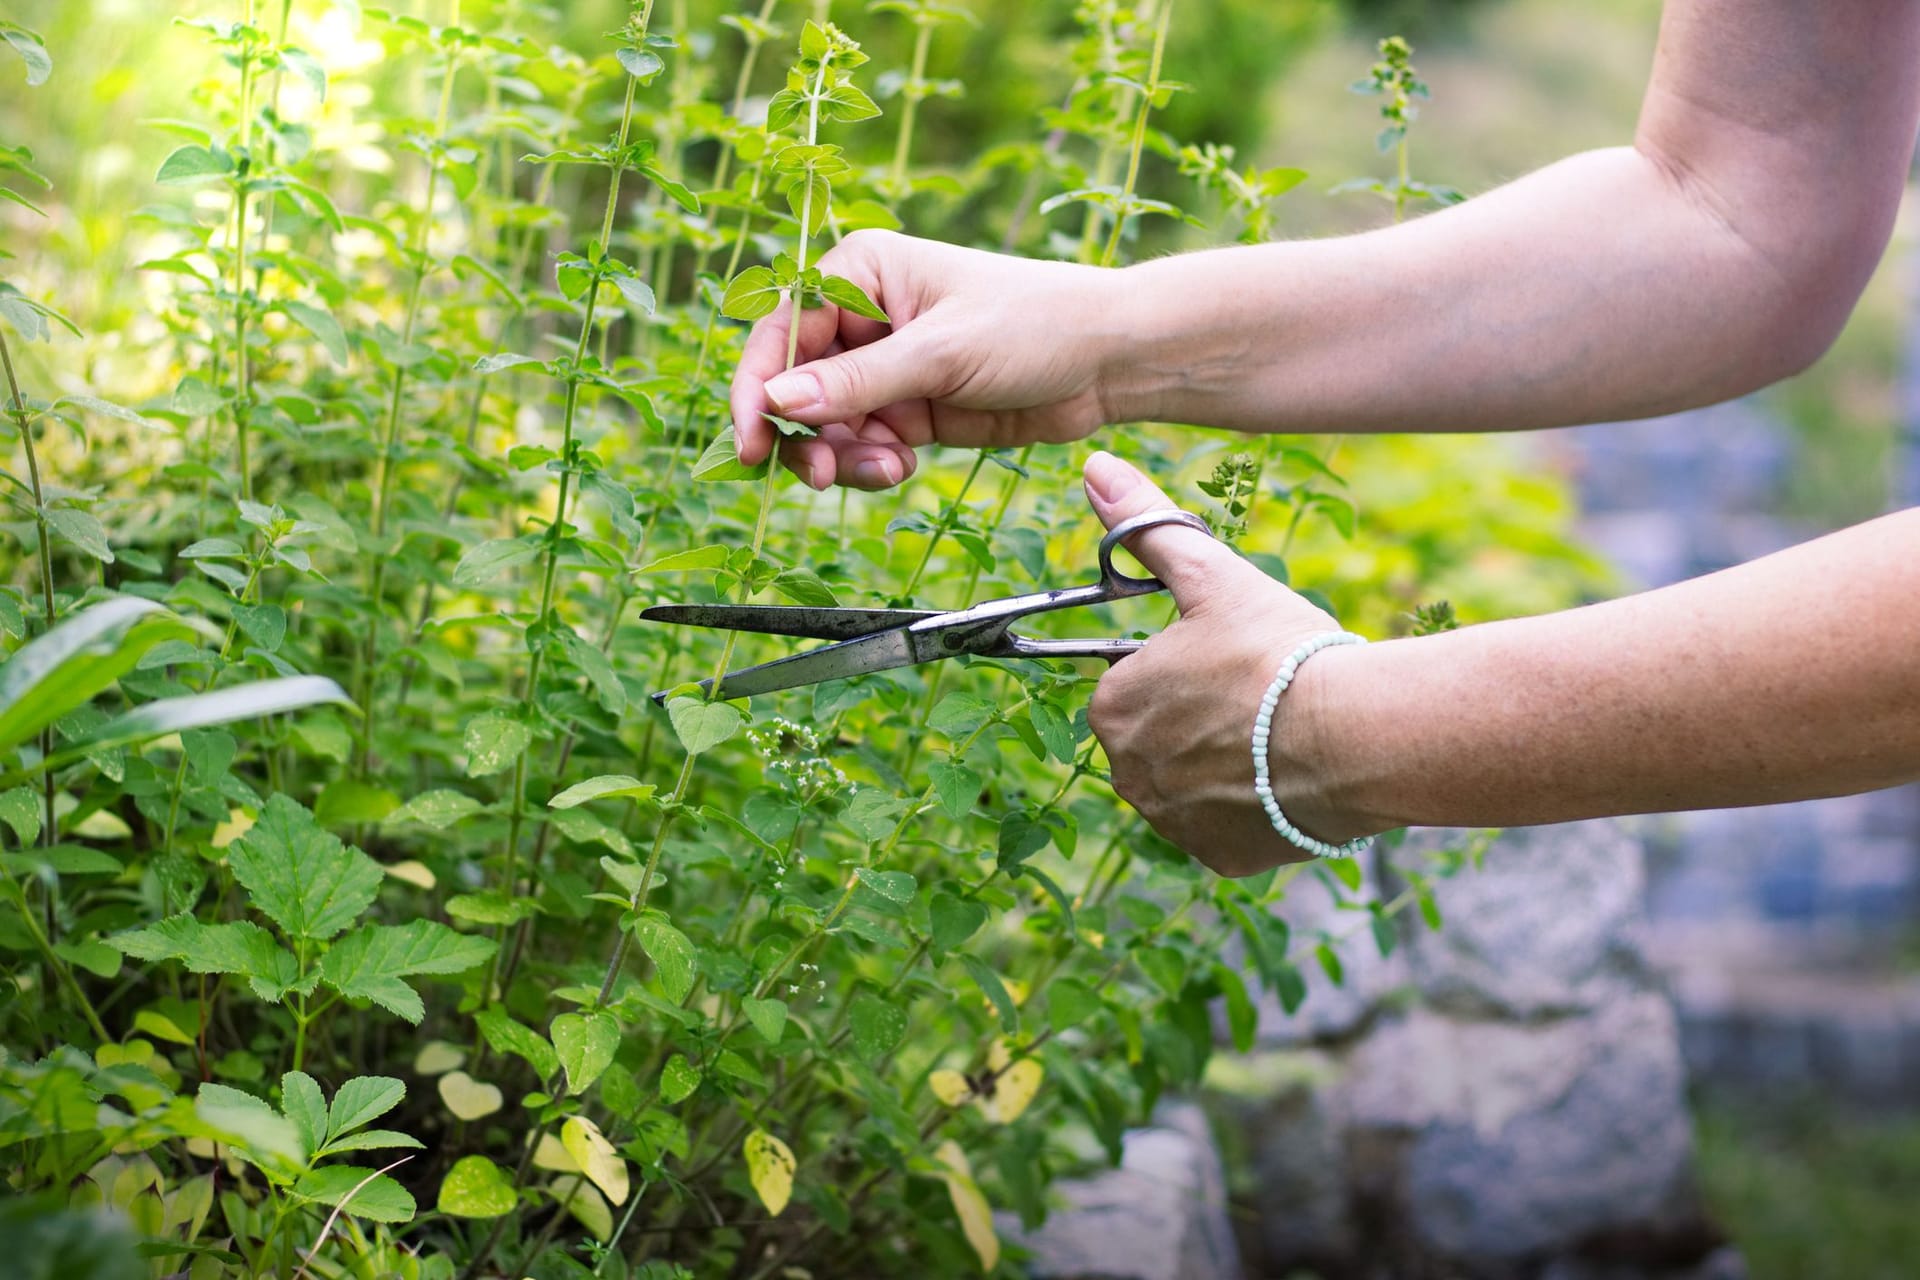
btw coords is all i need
(787, 620)
(881, 651)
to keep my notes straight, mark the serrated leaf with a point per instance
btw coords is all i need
(370, 962)
(361, 1193)
(300, 875)
(239, 947)
(476, 1187)
(585, 1043)
(262, 1134)
(770, 1168)
(701, 725)
(303, 1103)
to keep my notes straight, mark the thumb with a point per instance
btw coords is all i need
(845, 387)
(1192, 564)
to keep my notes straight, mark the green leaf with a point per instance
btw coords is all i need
(701, 725)
(1242, 1019)
(202, 710)
(1055, 732)
(751, 295)
(476, 1187)
(720, 461)
(494, 907)
(878, 1024)
(957, 786)
(637, 292)
(361, 1193)
(769, 1017)
(438, 809)
(804, 587)
(372, 1140)
(192, 164)
(1071, 1003)
(694, 560)
(306, 1106)
(996, 992)
(1054, 891)
(848, 296)
(585, 1043)
(370, 962)
(959, 714)
(640, 63)
(617, 785)
(508, 1036)
(32, 50)
(300, 875)
(954, 920)
(319, 322)
(1021, 837)
(260, 1133)
(20, 810)
(503, 360)
(264, 624)
(493, 742)
(678, 1079)
(671, 952)
(82, 530)
(896, 886)
(487, 561)
(237, 947)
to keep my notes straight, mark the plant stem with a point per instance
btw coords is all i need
(946, 521)
(23, 420)
(910, 95)
(60, 968)
(1112, 252)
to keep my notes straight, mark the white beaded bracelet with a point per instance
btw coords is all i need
(1263, 725)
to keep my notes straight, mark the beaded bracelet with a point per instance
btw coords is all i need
(1262, 726)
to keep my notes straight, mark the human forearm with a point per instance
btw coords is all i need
(1790, 677)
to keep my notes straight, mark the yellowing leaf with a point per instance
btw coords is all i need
(238, 823)
(476, 1187)
(549, 1153)
(950, 1087)
(969, 1205)
(437, 1057)
(1013, 1090)
(585, 1204)
(770, 1168)
(414, 872)
(596, 1157)
(467, 1098)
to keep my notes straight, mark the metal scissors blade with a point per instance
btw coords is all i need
(882, 639)
(788, 620)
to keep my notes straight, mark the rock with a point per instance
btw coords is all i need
(1490, 1142)
(1162, 1215)
(1550, 925)
(1286, 1139)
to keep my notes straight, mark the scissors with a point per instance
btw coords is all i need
(871, 640)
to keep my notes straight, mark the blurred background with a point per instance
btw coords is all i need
(1787, 938)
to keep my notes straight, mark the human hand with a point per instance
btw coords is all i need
(1176, 717)
(983, 350)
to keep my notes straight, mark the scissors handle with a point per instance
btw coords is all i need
(1116, 585)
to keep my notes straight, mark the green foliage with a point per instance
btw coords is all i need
(408, 404)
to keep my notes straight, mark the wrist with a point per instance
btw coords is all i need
(1317, 763)
(1133, 378)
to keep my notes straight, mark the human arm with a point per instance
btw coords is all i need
(1790, 677)
(1720, 252)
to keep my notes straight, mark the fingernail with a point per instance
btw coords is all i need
(1108, 478)
(793, 391)
(873, 472)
